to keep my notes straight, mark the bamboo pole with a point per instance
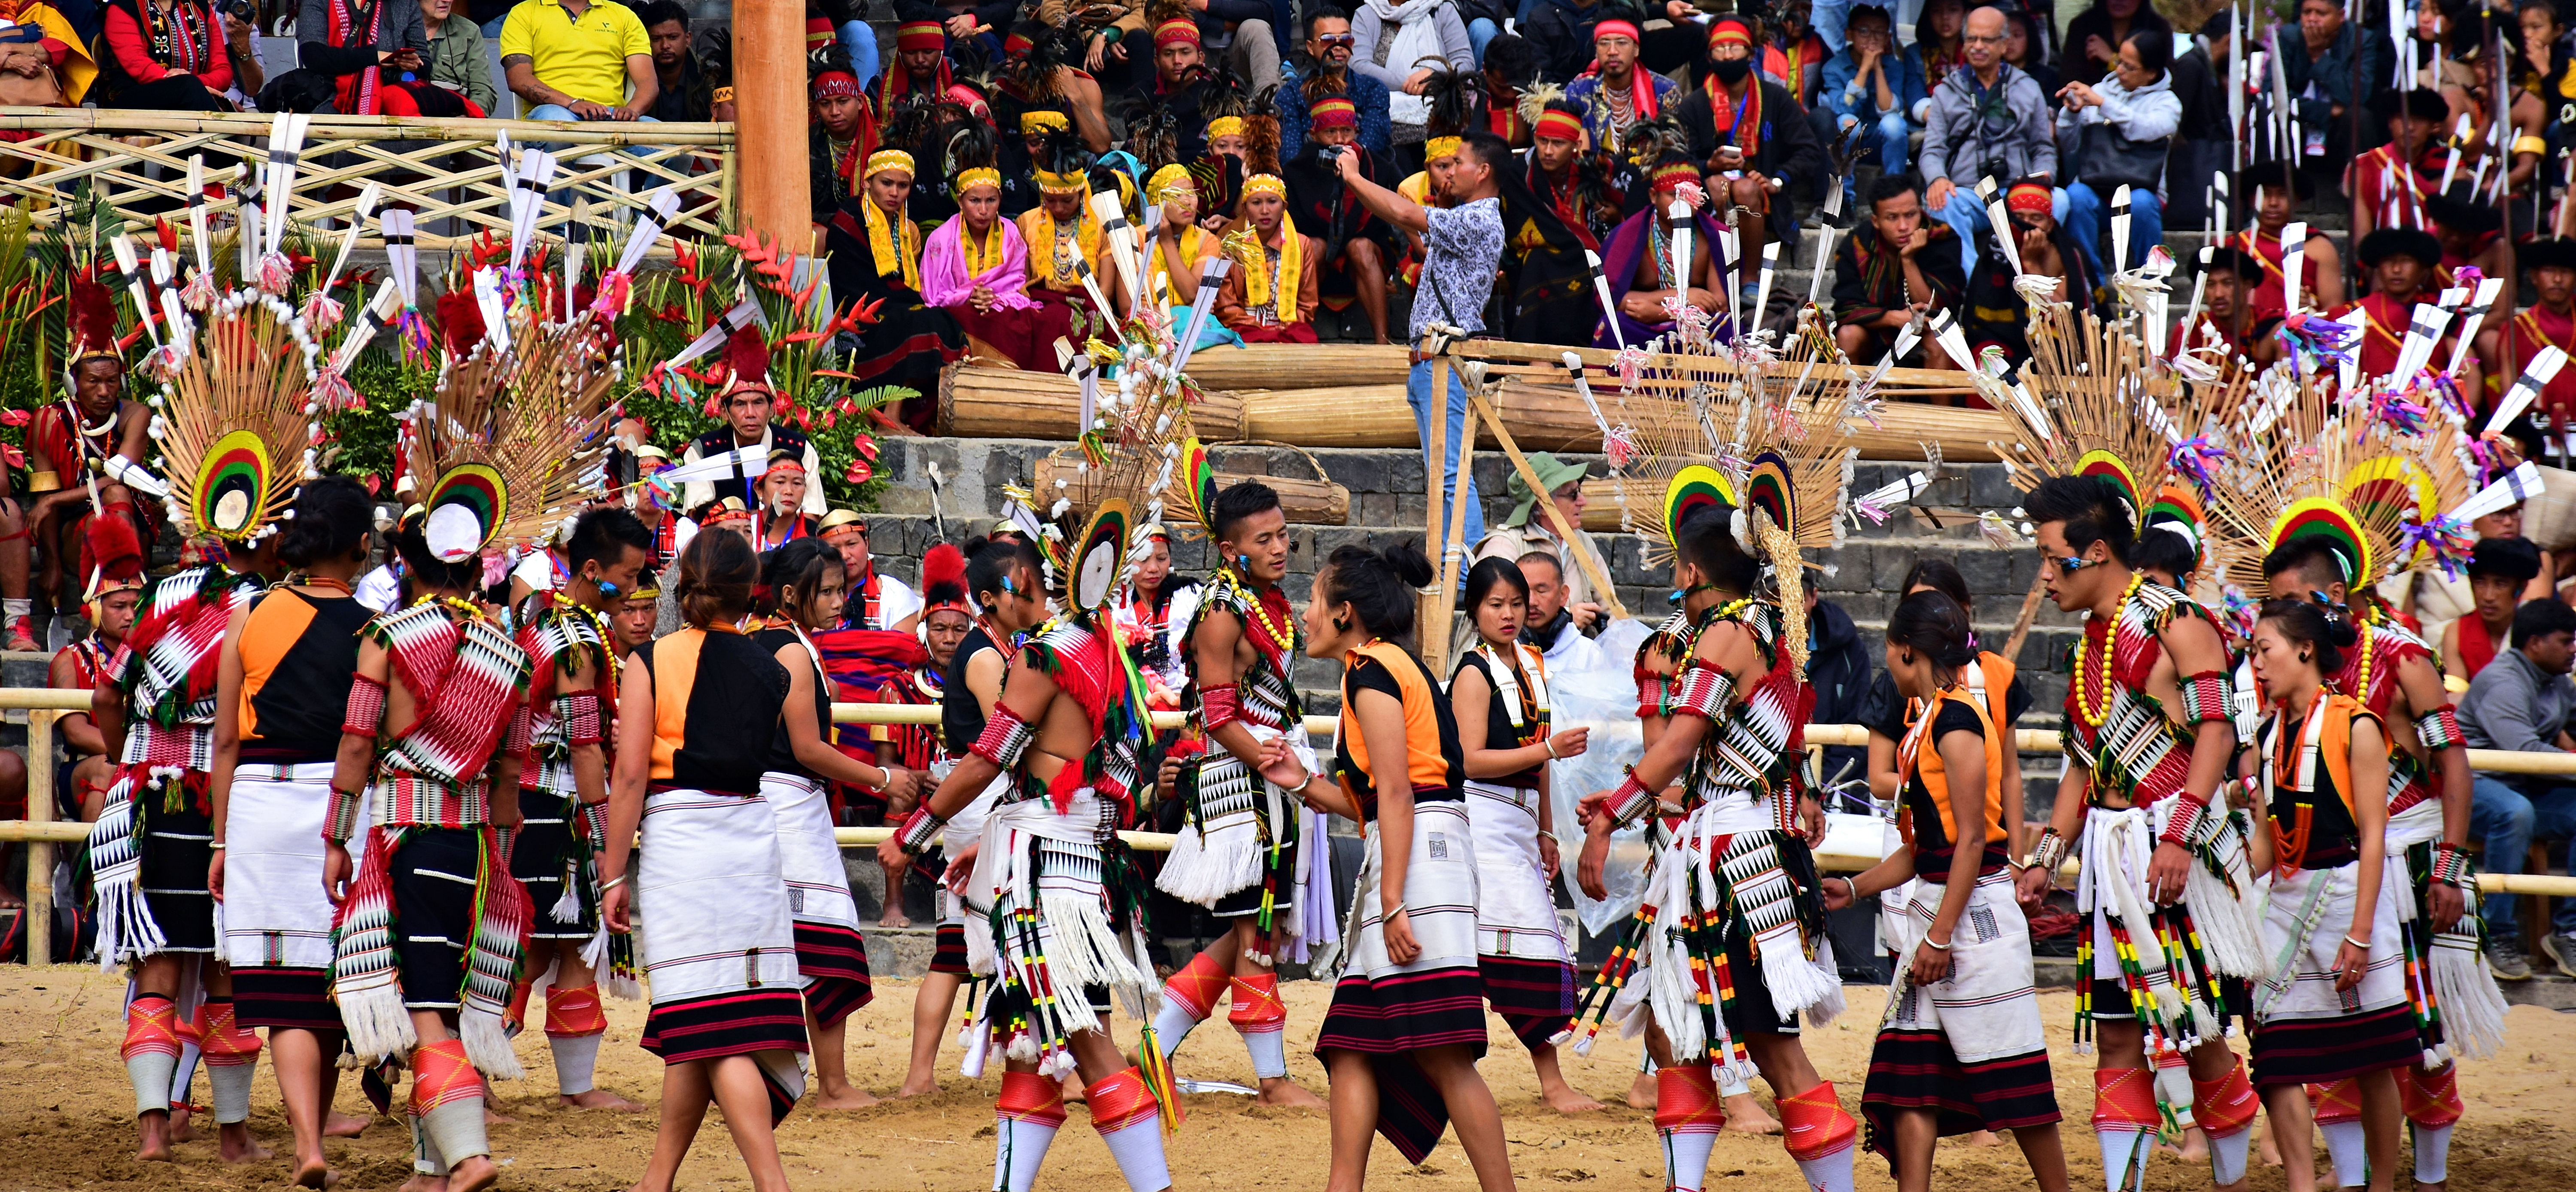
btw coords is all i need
(1299, 366)
(1454, 552)
(38, 922)
(1602, 588)
(128, 121)
(2021, 623)
(1435, 463)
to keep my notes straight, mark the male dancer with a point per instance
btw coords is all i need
(1238, 856)
(2392, 672)
(563, 789)
(2148, 740)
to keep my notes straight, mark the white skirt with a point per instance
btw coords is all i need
(1441, 893)
(1515, 915)
(276, 913)
(809, 859)
(2303, 928)
(710, 897)
(1986, 1006)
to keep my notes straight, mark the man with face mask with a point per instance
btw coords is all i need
(1754, 137)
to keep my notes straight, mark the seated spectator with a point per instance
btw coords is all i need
(2499, 569)
(1995, 314)
(2470, 234)
(977, 267)
(1639, 266)
(77, 448)
(1511, 71)
(1394, 42)
(2320, 71)
(2522, 702)
(1988, 120)
(592, 63)
(837, 144)
(1892, 269)
(456, 59)
(2203, 146)
(2263, 186)
(2124, 125)
(1180, 245)
(1793, 53)
(1116, 52)
(2094, 37)
(1870, 83)
(1551, 624)
(874, 252)
(1357, 244)
(373, 53)
(1062, 231)
(1182, 81)
(1529, 529)
(2021, 48)
(182, 64)
(1323, 72)
(921, 68)
(1245, 38)
(1754, 138)
(1035, 78)
(114, 600)
(2440, 599)
(1270, 296)
(2549, 321)
(2399, 263)
(1940, 46)
(40, 46)
(682, 92)
(1614, 91)
(747, 406)
(2228, 319)
(2388, 184)
(2475, 48)
(241, 45)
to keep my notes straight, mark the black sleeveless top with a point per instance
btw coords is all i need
(1500, 732)
(299, 657)
(961, 718)
(731, 699)
(782, 751)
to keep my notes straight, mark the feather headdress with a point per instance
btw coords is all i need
(2090, 403)
(235, 429)
(511, 444)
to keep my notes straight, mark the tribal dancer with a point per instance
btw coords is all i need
(1238, 855)
(2337, 1014)
(236, 441)
(2166, 890)
(1062, 895)
(1499, 697)
(1407, 1023)
(1004, 579)
(1961, 1047)
(727, 1019)
(563, 791)
(289, 660)
(804, 578)
(430, 939)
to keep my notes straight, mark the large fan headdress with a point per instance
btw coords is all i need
(2091, 403)
(510, 445)
(236, 426)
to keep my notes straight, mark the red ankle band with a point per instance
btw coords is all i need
(571, 1013)
(1197, 985)
(1029, 1097)
(2336, 1102)
(151, 1027)
(1815, 1125)
(2431, 1099)
(440, 1075)
(1686, 1100)
(1256, 1004)
(221, 1037)
(2124, 1097)
(2227, 1105)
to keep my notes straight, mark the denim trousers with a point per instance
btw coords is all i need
(2507, 819)
(1417, 393)
(2088, 213)
(1967, 217)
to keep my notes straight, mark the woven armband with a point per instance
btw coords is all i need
(920, 830)
(1630, 802)
(1218, 707)
(2439, 728)
(2204, 699)
(342, 823)
(2050, 852)
(1703, 690)
(1005, 736)
(366, 710)
(2451, 868)
(522, 730)
(1652, 691)
(2184, 827)
(583, 724)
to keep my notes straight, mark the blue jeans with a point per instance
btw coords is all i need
(1417, 393)
(1480, 31)
(2507, 819)
(2087, 214)
(861, 41)
(1828, 17)
(1967, 217)
(556, 111)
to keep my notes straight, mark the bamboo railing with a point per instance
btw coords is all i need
(445, 170)
(41, 833)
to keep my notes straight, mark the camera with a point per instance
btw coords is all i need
(1328, 154)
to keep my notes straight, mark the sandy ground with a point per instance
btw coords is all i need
(64, 1106)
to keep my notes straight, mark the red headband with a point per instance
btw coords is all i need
(1177, 31)
(1726, 29)
(1335, 112)
(1614, 28)
(919, 35)
(2029, 197)
(1017, 46)
(1563, 126)
(836, 84)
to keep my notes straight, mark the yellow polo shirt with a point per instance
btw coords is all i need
(583, 57)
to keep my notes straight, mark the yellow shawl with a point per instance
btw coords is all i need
(1292, 268)
(1038, 229)
(1158, 273)
(881, 244)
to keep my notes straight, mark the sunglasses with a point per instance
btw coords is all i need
(2070, 564)
(1337, 41)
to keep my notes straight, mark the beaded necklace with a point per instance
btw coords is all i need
(454, 603)
(1282, 630)
(300, 580)
(2361, 681)
(2093, 711)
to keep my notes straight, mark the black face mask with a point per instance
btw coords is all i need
(1731, 71)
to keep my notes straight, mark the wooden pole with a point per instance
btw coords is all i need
(1592, 569)
(1453, 552)
(39, 913)
(769, 91)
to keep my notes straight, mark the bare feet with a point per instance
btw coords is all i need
(845, 1097)
(314, 1173)
(1641, 1091)
(2271, 1153)
(597, 1099)
(153, 1137)
(1281, 1091)
(1073, 1089)
(2194, 1148)
(342, 1125)
(238, 1145)
(1563, 1099)
(494, 1117)
(915, 1086)
(1984, 1138)
(1745, 1115)
(425, 1183)
(180, 1128)
(473, 1175)
(894, 917)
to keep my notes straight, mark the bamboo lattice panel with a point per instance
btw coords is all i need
(446, 171)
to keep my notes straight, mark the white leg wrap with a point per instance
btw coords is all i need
(1832, 1173)
(2432, 1154)
(576, 1062)
(2124, 1157)
(1731, 1083)
(232, 1091)
(1139, 1151)
(1019, 1149)
(186, 1073)
(1269, 1052)
(456, 1129)
(2227, 1155)
(1686, 1157)
(1172, 1023)
(425, 1159)
(151, 1074)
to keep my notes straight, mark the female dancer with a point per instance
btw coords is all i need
(1003, 578)
(2339, 1010)
(1406, 1026)
(804, 576)
(1499, 696)
(1964, 1049)
(282, 689)
(727, 1018)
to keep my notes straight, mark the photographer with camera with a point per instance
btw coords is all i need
(1988, 121)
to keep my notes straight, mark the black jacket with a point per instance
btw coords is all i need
(2093, 22)
(1788, 148)
(1996, 314)
(1838, 669)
